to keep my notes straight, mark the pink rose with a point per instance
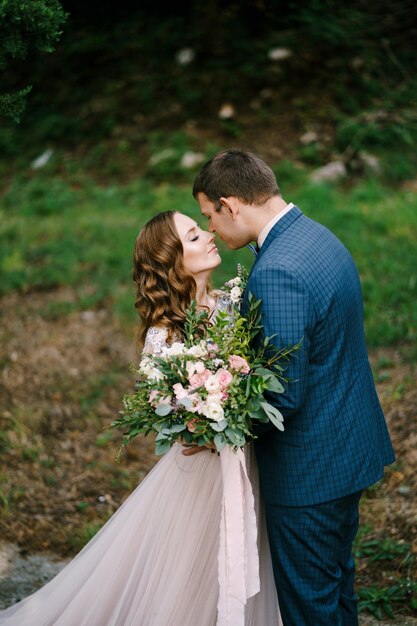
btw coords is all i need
(198, 380)
(179, 391)
(224, 377)
(164, 400)
(239, 364)
(153, 396)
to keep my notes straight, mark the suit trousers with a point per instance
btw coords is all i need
(314, 570)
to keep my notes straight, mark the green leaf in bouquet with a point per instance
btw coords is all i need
(272, 383)
(161, 425)
(162, 436)
(186, 403)
(219, 426)
(235, 436)
(177, 428)
(220, 442)
(274, 415)
(161, 447)
(258, 414)
(163, 409)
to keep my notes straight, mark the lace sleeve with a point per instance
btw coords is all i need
(155, 340)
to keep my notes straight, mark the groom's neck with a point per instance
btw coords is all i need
(264, 213)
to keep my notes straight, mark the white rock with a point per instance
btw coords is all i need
(279, 54)
(370, 161)
(329, 173)
(88, 316)
(185, 56)
(227, 111)
(42, 159)
(161, 156)
(309, 137)
(190, 159)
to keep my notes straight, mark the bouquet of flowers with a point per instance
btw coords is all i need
(210, 387)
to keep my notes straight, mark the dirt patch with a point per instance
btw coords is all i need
(62, 377)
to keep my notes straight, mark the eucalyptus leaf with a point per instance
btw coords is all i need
(161, 437)
(220, 442)
(258, 414)
(235, 436)
(274, 415)
(178, 428)
(274, 385)
(159, 426)
(186, 402)
(163, 409)
(219, 426)
(161, 447)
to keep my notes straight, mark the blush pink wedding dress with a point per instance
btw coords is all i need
(156, 561)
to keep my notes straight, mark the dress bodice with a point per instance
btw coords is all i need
(156, 336)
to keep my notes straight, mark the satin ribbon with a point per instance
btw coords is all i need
(238, 554)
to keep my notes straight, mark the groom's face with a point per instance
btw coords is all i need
(223, 222)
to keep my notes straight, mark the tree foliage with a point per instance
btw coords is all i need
(26, 27)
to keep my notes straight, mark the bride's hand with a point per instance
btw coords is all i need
(191, 449)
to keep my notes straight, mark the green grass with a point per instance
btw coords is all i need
(60, 230)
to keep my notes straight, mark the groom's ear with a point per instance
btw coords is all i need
(231, 206)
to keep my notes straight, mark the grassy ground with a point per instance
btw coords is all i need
(67, 230)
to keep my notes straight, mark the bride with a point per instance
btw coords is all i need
(156, 561)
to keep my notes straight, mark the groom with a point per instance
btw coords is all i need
(336, 441)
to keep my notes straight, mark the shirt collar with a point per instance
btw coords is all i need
(268, 227)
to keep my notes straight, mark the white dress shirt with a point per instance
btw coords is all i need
(268, 227)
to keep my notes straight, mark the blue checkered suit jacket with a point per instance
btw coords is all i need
(336, 441)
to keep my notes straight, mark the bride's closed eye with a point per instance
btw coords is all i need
(195, 237)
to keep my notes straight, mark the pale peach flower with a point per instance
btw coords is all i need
(224, 377)
(239, 364)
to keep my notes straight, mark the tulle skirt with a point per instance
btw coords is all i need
(154, 563)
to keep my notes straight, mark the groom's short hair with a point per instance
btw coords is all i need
(236, 173)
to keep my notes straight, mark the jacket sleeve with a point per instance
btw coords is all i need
(288, 314)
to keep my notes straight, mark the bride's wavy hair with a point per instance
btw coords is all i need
(164, 289)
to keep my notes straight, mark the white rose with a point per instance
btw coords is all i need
(145, 365)
(213, 411)
(190, 367)
(199, 350)
(235, 294)
(176, 349)
(155, 374)
(212, 384)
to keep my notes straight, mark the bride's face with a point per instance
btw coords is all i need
(199, 250)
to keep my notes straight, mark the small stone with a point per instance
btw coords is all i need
(42, 159)
(404, 490)
(279, 54)
(370, 161)
(161, 156)
(329, 173)
(309, 137)
(88, 316)
(185, 56)
(227, 111)
(191, 159)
